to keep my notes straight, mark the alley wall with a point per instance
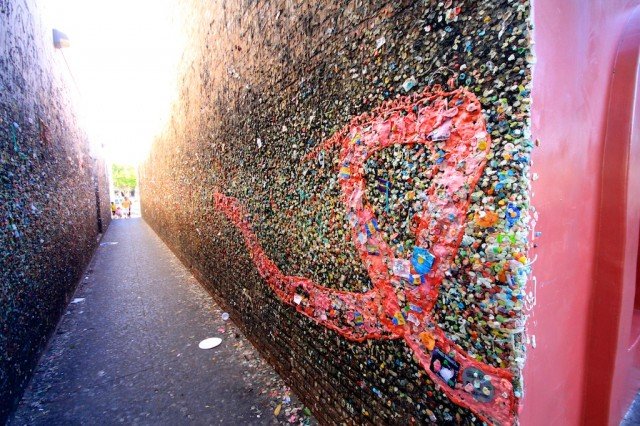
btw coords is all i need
(48, 199)
(350, 181)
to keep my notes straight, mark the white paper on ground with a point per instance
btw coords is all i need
(209, 343)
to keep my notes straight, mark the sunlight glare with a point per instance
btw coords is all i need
(123, 56)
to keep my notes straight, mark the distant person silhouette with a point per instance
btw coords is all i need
(126, 204)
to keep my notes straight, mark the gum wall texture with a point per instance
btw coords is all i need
(262, 87)
(48, 209)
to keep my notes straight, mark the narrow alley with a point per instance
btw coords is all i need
(337, 212)
(126, 350)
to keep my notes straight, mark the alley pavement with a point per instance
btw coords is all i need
(126, 350)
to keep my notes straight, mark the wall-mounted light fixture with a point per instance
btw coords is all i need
(60, 39)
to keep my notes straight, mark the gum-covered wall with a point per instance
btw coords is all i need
(48, 209)
(350, 181)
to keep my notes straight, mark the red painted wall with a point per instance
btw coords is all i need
(576, 42)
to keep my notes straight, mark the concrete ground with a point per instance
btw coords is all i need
(633, 415)
(126, 351)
